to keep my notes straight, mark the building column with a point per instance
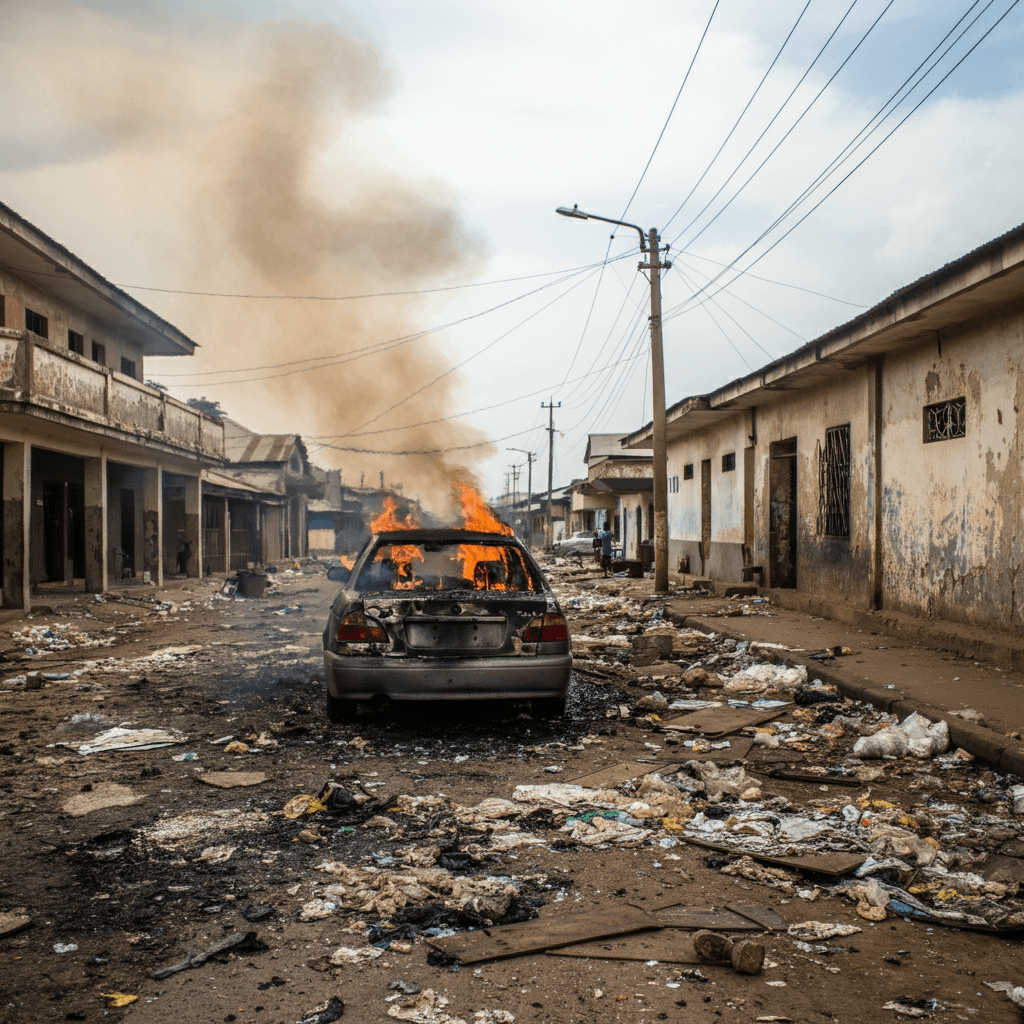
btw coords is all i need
(17, 520)
(226, 567)
(193, 524)
(153, 524)
(96, 573)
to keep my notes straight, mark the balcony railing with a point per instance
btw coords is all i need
(62, 382)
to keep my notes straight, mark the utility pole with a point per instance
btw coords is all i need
(515, 484)
(530, 456)
(654, 264)
(649, 245)
(549, 529)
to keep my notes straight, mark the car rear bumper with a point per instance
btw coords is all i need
(354, 678)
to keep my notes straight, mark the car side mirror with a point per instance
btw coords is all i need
(339, 574)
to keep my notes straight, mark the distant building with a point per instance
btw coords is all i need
(101, 473)
(879, 465)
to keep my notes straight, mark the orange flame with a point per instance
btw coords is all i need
(479, 517)
(401, 555)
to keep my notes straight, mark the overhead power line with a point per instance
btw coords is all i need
(661, 134)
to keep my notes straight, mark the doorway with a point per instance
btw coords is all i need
(782, 513)
(705, 515)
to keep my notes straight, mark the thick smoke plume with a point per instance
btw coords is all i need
(234, 159)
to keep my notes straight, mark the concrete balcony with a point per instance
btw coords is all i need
(44, 381)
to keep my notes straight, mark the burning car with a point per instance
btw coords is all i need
(445, 614)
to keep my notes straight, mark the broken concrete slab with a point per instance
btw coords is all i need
(100, 795)
(714, 722)
(11, 924)
(543, 933)
(232, 780)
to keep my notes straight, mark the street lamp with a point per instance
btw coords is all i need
(530, 456)
(649, 245)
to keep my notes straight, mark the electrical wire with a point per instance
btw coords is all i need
(749, 305)
(477, 353)
(789, 131)
(661, 134)
(769, 280)
(349, 355)
(678, 310)
(743, 112)
(424, 451)
(706, 306)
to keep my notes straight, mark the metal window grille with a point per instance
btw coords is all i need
(945, 420)
(36, 323)
(688, 471)
(834, 483)
(729, 462)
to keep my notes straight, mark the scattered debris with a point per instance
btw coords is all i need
(239, 942)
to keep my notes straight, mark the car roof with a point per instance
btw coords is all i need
(444, 534)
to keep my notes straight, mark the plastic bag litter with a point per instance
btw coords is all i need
(131, 739)
(915, 735)
(1014, 992)
(719, 781)
(762, 677)
(820, 930)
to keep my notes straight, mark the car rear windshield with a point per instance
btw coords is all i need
(448, 565)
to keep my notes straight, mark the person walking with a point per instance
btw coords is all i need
(606, 537)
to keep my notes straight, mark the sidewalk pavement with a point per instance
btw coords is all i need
(894, 674)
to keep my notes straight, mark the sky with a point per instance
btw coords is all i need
(437, 137)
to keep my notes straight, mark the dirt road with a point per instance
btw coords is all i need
(127, 862)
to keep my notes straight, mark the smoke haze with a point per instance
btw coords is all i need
(241, 159)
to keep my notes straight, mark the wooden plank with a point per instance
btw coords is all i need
(714, 722)
(834, 864)
(665, 947)
(695, 918)
(543, 933)
(767, 917)
(737, 750)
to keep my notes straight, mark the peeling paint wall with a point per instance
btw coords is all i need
(952, 527)
(725, 557)
(824, 565)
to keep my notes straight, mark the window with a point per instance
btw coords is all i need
(3, 319)
(36, 323)
(729, 462)
(76, 343)
(834, 483)
(128, 367)
(945, 420)
(688, 471)
(99, 353)
(673, 485)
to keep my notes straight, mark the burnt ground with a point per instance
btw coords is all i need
(116, 892)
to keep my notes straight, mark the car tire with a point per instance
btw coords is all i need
(340, 711)
(548, 707)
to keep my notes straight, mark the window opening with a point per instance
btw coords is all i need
(945, 420)
(728, 462)
(99, 353)
(76, 343)
(688, 471)
(36, 323)
(128, 367)
(834, 483)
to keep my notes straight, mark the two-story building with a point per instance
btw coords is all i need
(101, 473)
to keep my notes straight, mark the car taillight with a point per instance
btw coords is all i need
(549, 628)
(356, 628)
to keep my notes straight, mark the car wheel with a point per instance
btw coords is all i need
(548, 707)
(340, 711)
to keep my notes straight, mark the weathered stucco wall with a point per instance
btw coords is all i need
(824, 565)
(953, 536)
(18, 294)
(725, 557)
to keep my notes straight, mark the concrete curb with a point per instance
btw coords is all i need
(996, 750)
